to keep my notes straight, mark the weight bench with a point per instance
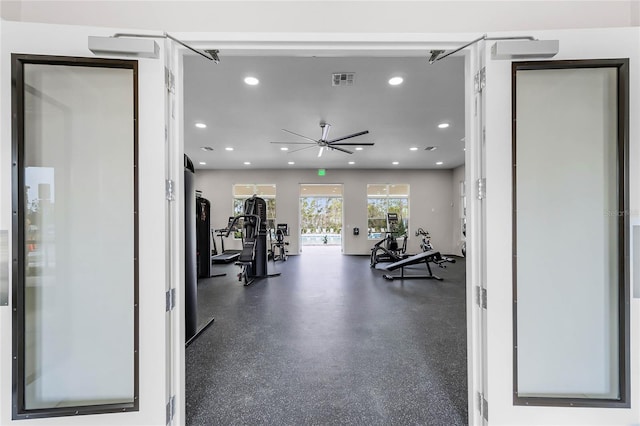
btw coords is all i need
(426, 257)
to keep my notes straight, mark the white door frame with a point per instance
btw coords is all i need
(398, 45)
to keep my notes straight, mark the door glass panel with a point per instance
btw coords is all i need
(79, 267)
(567, 239)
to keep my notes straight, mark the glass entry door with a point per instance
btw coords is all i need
(76, 236)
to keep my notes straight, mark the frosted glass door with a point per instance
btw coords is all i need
(76, 192)
(570, 249)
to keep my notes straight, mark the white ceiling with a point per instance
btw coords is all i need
(296, 93)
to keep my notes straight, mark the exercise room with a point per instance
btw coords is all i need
(326, 208)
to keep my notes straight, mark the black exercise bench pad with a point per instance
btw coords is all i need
(412, 260)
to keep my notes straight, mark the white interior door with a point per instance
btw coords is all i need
(144, 395)
(475, 171)
(503, 391)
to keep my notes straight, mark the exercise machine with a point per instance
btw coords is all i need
(197, 256)
(426, 246)
(253, 257)
(387, 249)
(279, 245)
(226, 256)
(424, 257)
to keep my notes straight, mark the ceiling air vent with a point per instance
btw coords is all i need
(431, 148)
(343, 78)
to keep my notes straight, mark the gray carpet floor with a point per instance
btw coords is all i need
(329, 342)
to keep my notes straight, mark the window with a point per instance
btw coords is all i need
(75, 194)
(241, 192)
(571, 322)
(383, 199)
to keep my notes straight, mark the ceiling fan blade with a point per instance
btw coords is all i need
(340, 149)
(297, 134)
(299, 149)
(320, 152)
(325, 130)
(349, 136)
(296, 143)
(352, 144)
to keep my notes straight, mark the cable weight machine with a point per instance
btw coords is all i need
(253, 257)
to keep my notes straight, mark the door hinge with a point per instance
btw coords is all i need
(169, 191)
(171, 409)
(170, 299)
(479, 80)
(481, 297)
(483, 406)
(169, 80)
(481, 186)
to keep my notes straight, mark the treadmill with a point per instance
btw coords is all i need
(227, 256)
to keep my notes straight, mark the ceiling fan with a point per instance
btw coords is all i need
(324, 142)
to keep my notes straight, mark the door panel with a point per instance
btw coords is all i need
(574, 44)
(93, 341)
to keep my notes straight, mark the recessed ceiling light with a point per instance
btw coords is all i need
(229, 148)
(443, 125)
(395, 163)
(413, 148)
(359, 148)
(291, 163)
(284, 148)
(201, 125)
(431, 148)
(352, 162)
(394, 81)
(202, 163)
(251, 81)
(439, 163)
(206, 148)
(247, 163)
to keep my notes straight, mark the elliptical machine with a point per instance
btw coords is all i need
(279, 247)
(387, 249)
(253, 257)
(426, 245)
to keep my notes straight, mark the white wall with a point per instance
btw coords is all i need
(456, 234)
(330, 16)
(430, 205)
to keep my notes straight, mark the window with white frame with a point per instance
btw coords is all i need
(242, 192)
(383, 199)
